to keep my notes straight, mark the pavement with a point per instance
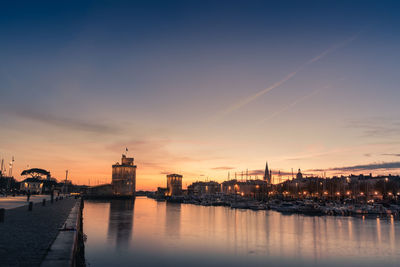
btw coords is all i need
(11, 202)
(26, 236)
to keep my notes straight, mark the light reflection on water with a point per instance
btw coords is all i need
(150, 233)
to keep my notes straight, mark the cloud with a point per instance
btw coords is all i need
(223, 168)
(256, 172)
(366, 167)
(377, 126)
(155, 155)
(245, 101)
(391, 154)
(261, 172)
(68, 123)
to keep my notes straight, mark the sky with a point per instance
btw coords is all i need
(200, 88)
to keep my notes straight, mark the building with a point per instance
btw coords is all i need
(124, 178)
(39, 182)
(249, 188)
(32, 185)
(100, 191)
(204, 188)
(267, 174)
(299, 175)
(174, 184)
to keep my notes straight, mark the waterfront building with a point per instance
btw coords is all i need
(228, 187)
(161, 192)
(100, 191)
(40, 181)
(204, 188)
(249, 188)
(33, 185)
(124, 178)
(174, 184)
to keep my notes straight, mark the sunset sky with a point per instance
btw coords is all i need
(200, 88)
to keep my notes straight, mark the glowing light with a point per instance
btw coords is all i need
(376, 193)
(325, 193)
(348, 192)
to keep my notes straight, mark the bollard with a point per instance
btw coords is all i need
(56, 199)
(2, 214)
(44, 202)
(30, 206)
(52, 199)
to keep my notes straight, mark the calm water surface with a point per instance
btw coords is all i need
(150, 233)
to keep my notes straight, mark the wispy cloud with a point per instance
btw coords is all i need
(377, 126)
(365, 167)
(391, 154)
(68, 123)
(245, 101)
(158, 154)
(222, 168)
(274, 172)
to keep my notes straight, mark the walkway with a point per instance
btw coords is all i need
(11, 202)
(25, 236)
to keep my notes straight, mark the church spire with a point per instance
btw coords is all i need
(267, 176)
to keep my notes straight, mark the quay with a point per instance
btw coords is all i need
(26, 236)
(11, 202)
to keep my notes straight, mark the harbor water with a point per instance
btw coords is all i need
(145, 232)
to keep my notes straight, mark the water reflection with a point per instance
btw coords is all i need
(171, 234)
(121, 221)
(172, 219)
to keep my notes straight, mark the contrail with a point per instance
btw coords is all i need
(253, 97)
(295, 102)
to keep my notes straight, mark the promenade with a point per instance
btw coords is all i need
(11, 202)
(25, 236)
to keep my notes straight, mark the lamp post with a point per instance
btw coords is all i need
(384, 187)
